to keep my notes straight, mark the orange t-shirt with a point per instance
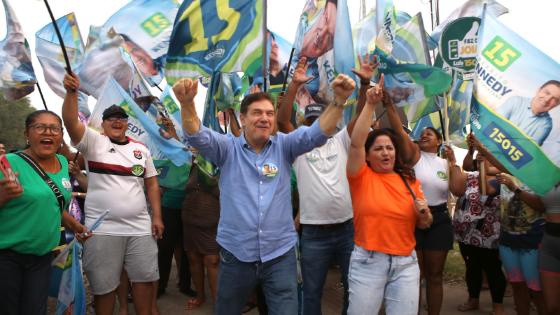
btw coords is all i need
(384, 213)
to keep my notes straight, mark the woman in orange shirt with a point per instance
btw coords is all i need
(388, 204)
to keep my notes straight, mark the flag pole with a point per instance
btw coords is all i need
(288, 70)
(68, 68)
(42, 96)
(264, 48)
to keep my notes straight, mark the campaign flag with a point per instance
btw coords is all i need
(224, 92)
(278, 50)
(324, 36)
(210, 36)
(49, 53)
(140, 127)
(70, 290)
(472, 8)
(431, 120)
(103, 58)
(66, 281)
(402, 50)
(17, 78)
(514, 108)
(146, 27)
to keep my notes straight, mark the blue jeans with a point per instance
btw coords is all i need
(375, 277)
(237, 279)
(319, 246)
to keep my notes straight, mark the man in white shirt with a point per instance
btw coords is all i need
(119, 169)
(325, 206)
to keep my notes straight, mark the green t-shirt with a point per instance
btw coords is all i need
(30, 224)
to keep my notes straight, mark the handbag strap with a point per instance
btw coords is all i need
(408, 187)
(52, 185)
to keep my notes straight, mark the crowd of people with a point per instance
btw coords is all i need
(371, 200)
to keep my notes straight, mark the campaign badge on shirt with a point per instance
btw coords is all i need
(442, 175)
(137, 154)
(66, 183)
(137, 170)
(269, 170)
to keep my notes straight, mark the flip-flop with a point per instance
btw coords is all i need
(248, 307)
(194, 303)
(465, 307)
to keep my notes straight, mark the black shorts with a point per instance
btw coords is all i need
(439, 236)
(549, 252)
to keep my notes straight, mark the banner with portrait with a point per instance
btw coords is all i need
(515, 110)
(324, 36)
(146, 27)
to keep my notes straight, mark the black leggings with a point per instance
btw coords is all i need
(479, 259)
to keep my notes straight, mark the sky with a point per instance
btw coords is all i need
(530, 19)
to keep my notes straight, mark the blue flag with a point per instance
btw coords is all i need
(17, 78)
(515, 111)
(49, 53)
(140, 126)
(324, 36)
(211, 36)
(145, 26)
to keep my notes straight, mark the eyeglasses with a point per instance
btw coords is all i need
(113, 119)
(40, 128)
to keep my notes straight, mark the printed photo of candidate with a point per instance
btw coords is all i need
(532, 115)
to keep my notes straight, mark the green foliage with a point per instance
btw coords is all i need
(12, 122)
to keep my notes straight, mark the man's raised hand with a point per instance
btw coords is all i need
(185, 90)
(343, 86)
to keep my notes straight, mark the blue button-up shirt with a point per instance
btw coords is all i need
(518, 111)
(255, 196)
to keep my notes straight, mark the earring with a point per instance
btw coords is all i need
(27, 141)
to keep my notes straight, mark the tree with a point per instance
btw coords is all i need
(12, 122)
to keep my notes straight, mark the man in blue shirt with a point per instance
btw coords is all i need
(256, 231)
(531, 115)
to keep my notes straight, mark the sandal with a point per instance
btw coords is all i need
(248, 307)
(467, 306)
(194, 303)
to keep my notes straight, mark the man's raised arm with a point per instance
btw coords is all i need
(185, 90)
(343, 86)
(72, 123)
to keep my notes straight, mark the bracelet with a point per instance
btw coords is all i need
(336, 104)
(517, 191)
(365, 82)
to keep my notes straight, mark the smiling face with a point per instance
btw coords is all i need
(44, 135)
(381, 155)
(258, 122)
(429, 141)
(546, 99)
(115, 128)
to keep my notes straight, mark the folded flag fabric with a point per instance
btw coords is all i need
(17, 78)
(210, 36)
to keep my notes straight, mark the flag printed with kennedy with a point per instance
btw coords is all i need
(17, 78)
(146, 27)
(212, 35)
(515, 110)
(140, 127)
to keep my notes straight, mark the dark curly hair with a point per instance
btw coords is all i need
(400, 167)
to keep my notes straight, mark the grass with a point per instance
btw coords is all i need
(454, 271)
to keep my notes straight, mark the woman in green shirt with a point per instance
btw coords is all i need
(30, 216)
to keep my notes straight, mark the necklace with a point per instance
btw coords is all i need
(50, 165)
